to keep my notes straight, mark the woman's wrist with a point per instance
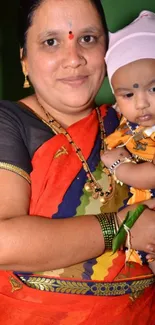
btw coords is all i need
(109, 226)
(124, 232)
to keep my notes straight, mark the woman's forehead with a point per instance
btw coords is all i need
(59, 12)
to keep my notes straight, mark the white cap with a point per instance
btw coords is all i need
(134, 42)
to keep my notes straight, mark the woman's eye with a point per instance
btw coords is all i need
(152, 90)
(51, 42)
(88, 39)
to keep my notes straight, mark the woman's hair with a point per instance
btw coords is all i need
(26, 12)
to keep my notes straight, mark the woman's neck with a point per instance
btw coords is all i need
(68, 119)
(65, 117)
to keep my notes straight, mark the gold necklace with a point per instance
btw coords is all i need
(91, 184)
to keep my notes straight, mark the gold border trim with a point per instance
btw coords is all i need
(15, 170)
(130, 287)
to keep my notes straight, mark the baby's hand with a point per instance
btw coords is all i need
(110, 156)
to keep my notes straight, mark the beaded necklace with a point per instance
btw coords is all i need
(91, 184)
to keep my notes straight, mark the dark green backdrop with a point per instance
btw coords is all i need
(118, 14)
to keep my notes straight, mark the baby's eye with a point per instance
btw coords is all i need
(88, 39)
(51, 42)
(128, 95)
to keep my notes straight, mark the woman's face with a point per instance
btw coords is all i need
(66, 72)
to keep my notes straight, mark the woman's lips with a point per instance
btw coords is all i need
(74, 81)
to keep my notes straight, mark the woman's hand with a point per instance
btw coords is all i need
(150, 249)
(143, 231)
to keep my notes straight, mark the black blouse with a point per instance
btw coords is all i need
(21, 134)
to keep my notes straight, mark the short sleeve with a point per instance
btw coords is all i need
(14, 155)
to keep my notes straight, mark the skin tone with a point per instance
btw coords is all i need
(61, 242)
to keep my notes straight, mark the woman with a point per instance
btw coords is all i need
(50, 166)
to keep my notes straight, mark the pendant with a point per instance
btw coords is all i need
(102, 200)
(88, 187)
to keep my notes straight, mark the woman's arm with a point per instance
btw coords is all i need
(31, 243)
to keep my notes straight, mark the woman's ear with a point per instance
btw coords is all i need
(24, 69)
(23, 62)
(21, 53)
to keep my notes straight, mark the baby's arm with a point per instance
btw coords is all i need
(140, 176)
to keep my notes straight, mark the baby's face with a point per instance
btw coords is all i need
(134, 89)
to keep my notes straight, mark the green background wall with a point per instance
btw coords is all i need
(118, 14)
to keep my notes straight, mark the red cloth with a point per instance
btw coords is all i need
(28, 306)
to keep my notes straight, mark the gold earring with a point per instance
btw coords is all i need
(26, 82)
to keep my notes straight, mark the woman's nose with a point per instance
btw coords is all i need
(73, 57)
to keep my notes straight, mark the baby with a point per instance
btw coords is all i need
(131, 148)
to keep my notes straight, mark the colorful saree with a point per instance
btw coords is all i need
(102, 290)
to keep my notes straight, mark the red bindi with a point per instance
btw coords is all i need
(71, 35)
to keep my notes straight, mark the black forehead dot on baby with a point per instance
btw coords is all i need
(135, 86)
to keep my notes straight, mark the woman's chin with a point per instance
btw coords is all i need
(77, 101)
